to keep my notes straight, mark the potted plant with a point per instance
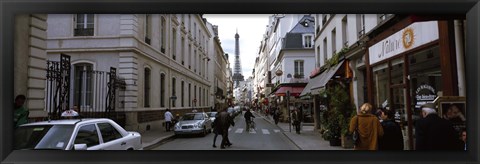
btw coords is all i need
(340, 114)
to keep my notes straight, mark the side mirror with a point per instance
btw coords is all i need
(80, 147)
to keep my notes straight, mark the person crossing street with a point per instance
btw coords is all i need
(248, 118)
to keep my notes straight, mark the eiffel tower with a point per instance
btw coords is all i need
(237, 74)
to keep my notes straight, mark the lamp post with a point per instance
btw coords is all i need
(289, 112)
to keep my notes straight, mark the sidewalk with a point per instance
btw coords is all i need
(308, 139)
(152, 137)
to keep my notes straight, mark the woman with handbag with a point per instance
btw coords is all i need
(368, 128)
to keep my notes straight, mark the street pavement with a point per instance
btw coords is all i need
(308, 139)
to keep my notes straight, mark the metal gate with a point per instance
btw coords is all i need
(93, 92)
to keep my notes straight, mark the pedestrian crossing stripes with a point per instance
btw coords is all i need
(265, 131)
(239, 130)
(254, 131)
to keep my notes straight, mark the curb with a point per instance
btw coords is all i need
(153, 143)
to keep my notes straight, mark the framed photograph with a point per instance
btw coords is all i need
(454, 109)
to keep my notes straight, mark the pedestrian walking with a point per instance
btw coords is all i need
(224, 122)
(20, 115)
(296, 120)
(216, 129)
(248, 119)
(168, 119)
(392, 138)
(276, 115)
(369, 128)
(435, 133)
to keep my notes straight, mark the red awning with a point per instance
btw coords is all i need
(294, 91)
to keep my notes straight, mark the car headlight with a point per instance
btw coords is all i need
(177, 126)
(198, 125)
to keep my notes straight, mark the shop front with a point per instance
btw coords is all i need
(409, 68)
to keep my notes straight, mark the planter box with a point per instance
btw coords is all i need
(335, 142)
(347, 141)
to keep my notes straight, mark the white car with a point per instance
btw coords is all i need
(76, 134)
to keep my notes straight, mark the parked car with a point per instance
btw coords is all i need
(212, 115)
(76, 134)
(194, 123)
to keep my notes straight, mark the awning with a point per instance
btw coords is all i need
(325, 77)
(307, 90)
(294, 91)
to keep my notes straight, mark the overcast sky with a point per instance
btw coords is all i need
(251, 28)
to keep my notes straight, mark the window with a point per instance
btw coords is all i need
(109, 133)
(173, 90)
(182, 56)
(344, 31)
(83, 85)
(84, 25)
(189, 56)
(199, 96)
(194, 60)
(318, 56)
(183, 94)
(307, 41)
(298, 69)
(324, 19)
(87, 135)
(174, 43)
(334, 41)
(361, 25)
(325, 56)
(195, 31)
(194, 94)
(148, 29)
(189, 94)
(163, 34)
(162, 90)
(146, 90)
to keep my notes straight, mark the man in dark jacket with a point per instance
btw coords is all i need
(224, 122)
(392, 138)
(248, 118)
(433, 132)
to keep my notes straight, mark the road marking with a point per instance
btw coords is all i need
(239, 130)
(265, 131)
(253, 131)
(276, 130)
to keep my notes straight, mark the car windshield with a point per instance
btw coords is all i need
(212, 114)
(43, 137)
(197, 116)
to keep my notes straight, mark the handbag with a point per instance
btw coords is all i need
(356, 135)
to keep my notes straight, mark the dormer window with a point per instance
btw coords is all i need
(307, 41)
(305, 23)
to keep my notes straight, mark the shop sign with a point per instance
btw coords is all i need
(408, 38)
(424, 94)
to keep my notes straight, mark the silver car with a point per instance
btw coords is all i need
(212, 115)
(76, 134)
(194, 123)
